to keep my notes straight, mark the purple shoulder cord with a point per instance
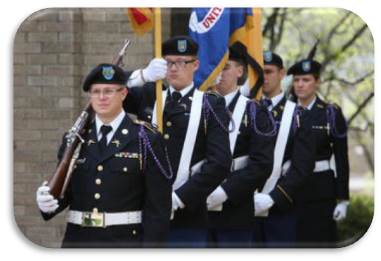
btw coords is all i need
(253, 114)
(144, 145)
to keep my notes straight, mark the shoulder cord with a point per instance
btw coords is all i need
(144, 144)
(253, 113)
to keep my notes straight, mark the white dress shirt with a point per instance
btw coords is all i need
(114, 124)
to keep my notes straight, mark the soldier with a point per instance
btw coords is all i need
(324, 198)
(195, 130)
(119, 194)
(275, 224)
(231, 209)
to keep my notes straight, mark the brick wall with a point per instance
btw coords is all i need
(53, 51)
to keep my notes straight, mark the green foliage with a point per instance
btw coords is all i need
(359, 218)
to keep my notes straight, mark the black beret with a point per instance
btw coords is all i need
(306, 66)
(180, 45)
(272, 59)
(238, 53)
(105, 73)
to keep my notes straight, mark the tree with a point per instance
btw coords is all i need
(345, 51)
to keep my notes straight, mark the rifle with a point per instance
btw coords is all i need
(59, 181)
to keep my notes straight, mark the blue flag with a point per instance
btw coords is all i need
(212, 28)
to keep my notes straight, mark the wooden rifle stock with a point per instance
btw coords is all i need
(59, 181)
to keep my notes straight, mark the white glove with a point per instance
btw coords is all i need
(340, 211)
(176, 202)
(216, 198)
(46, 202)
(156, 70)
(262, 202)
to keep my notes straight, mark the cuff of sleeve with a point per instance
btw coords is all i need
(135, 79)
(281, 198)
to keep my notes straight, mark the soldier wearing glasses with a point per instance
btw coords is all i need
(120, 190)
(195, 131)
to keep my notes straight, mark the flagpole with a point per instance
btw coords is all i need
(258, 51)
(159, 83)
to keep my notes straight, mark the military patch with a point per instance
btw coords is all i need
(108, 72)
(116, 143)
(306, 66)
(267, 56)
(182, 46)
(130, 155)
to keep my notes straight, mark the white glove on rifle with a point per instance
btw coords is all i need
(340, 211)
(262, 202)
(45, 201)
(156, 70)
(216, 198)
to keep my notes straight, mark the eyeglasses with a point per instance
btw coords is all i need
(106, 92)
(178, 64)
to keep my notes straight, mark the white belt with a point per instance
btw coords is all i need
(102, 219)
(239, 163)
(322, 165)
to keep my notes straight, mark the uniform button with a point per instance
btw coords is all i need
(125, 131)
(97, 196)
(169, 124)
(125, 169)
(166, 136)
(134, 232)
(98, 181)
(100, 168)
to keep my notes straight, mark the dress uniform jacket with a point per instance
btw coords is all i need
(212, 144)
(123, 179)
(238, 209)
(300, 149)
(317, 198)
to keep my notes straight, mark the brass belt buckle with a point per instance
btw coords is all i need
(93, 219)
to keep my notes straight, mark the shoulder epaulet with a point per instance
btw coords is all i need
(334, 105)
(147, 125)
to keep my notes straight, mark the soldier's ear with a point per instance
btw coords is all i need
(124, 92)
(282, 72)
(196, 64)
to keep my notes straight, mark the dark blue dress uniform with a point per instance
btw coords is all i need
(189, 226)
(119, 194)
(317, 199)
(212, 143)
(123, 179)
(231, 227)
(278, 229)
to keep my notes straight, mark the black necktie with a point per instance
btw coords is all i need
(267, 102)
(176, 96)
(103, 142)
